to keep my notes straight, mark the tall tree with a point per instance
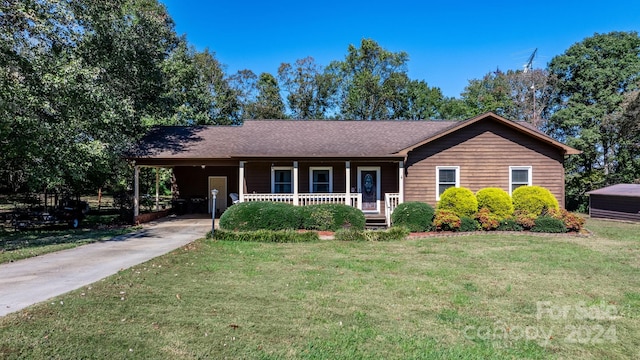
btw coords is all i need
(593, 77)
(491, 93)
(226, 106)
(311, 92)
(368, 80)
(268, 103)
(79, 81)
(530, 94)
(423, 102)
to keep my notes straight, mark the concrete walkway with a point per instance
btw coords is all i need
(30, 281)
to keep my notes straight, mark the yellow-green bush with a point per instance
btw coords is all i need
(533, 200)
(496, 200)
(461, 201)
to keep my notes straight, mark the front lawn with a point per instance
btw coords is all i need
(22, 244)
(486, 296)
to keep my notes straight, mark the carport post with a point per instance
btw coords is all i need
(136, 192)
(214, 193)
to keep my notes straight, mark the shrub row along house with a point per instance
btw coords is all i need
(371, 165)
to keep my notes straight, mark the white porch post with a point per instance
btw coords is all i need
(136, 191)
(241, 185)
(347, 182)
(157, 188)
(401, 182)
(295, 183)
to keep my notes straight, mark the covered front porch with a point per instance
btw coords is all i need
(375, 187)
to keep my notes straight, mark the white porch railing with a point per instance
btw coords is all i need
(283, 198)
(355, 199)
(391, 201)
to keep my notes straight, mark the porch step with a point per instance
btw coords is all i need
(375, 222)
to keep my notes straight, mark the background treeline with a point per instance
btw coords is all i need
(82, 80)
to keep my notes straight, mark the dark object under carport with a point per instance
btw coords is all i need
(620, 202)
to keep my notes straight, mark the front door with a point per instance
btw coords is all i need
(219, 183)
(369, 186)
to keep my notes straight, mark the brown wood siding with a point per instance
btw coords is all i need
(257, 176)
(193, 181)
(484, 152)
(614, 207)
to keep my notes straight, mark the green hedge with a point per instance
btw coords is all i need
(265, 236)
(533, 200)
(548, 224)
(260, 215)
(392, 234)
(461, 201)
(509, 225)
(330, 217)
(468, 224)
(496, 200)
(415, 216)
(265, 215)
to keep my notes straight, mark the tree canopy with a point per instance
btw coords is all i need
(82, 80)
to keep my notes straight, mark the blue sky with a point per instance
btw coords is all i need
(448, 42)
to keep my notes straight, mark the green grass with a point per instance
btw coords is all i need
(489, 296)
(17, 245)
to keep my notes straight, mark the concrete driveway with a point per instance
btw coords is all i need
(30, 281)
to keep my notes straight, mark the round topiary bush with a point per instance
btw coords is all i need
(461, 201)
(414, 215)
(533, 200)
(260, 215)
(331, 217)
(497, 201)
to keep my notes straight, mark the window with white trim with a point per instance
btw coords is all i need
(446, 177)
(321, 179)
(519, 176)
(282, 180)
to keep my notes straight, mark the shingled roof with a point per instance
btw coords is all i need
(628, 190)
(305, 139)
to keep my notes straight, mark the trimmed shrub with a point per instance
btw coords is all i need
(510, 225)
(331, 217)
(349, 235)
(415, 216)
(260, 215)
(571, 221)
(487, 220)
(533, 200)
(461, 201)
(265, 236)
(527, 221)
(446, 220)
(468, 224)
(496, 200)
(548, 224)
(394, 233)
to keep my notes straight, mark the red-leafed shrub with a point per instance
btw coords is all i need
(571, 221)
(527, 221)
(446, 220)
(487, 220)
